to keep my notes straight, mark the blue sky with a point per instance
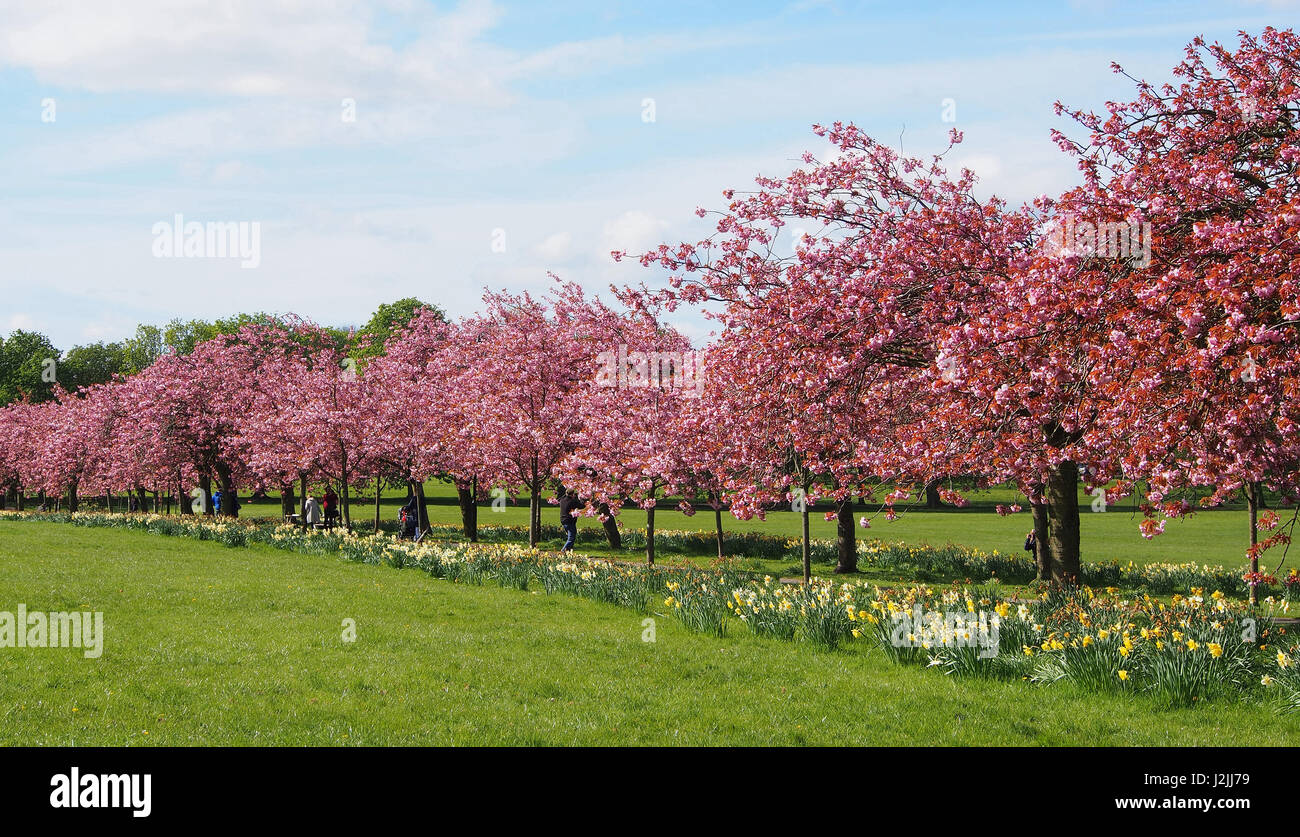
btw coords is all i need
(522, 120)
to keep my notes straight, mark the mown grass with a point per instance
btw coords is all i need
(210, 645)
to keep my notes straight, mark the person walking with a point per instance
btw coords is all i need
(311, 512)
(331, 507)
(568, 518)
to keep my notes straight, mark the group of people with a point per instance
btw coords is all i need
(327, 507)
(570, 506)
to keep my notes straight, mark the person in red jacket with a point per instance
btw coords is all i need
(330, 505)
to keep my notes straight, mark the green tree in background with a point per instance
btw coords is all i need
(142, 349)
(182, 336)
(389, 318)
(95, 363)
(24, 370)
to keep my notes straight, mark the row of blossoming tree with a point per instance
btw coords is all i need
(1141, 330)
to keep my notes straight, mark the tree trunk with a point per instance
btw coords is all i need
(538, 512)
(423, 507)
(1042, 538)
(717, 527)
(229, 496)
(21, 497)
(205, 485)
(286, 501)
(807, 544)
(467, 494)
(1063, 516)
(650, 536)
(534, 508)
(1252, 508)
(846, 538)
(611, 527)
(140, 499)
(379, 493)
(72, 497)
(346, 478)
(932, 498)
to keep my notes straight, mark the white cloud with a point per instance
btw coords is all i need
(324, 49)
(109, 328)
(248, 47)
(555, 247)
(530, 133)
(21, 322)
(235, 171)
(634, 231)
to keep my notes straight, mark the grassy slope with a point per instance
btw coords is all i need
(208, 645)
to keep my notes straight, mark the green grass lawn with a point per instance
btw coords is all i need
(211, 645)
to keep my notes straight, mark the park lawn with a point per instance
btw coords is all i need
(209, 645)
(1217, 536)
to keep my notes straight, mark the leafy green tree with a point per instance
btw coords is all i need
(92, 364)
(181, 336)
(232, 325)
(28, 367)
(143, 349)
(389, 319)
